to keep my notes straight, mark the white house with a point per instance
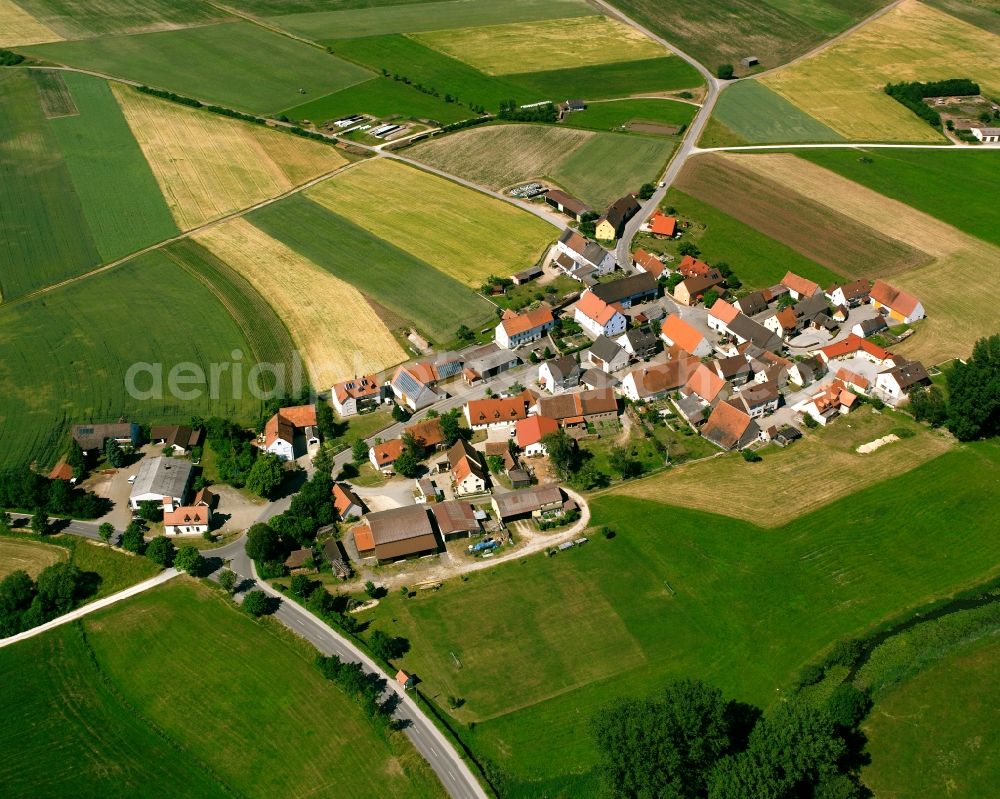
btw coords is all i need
(281, 429)
(598, 318)
(412, 386)
(850, 294)
(352, 396)
(187, 520)
(828, 402)
(531, 431)
(720, 315)
(678, 333)
(896, 383)
(799, 287)
(589, 256)
(607, 355)
(466, 469)
(559, 374)
(516, 329)
(161, 480)
(655, 381)
(987, 135)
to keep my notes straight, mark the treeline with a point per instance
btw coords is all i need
(912, 95)
(509, 110)
(25, 490)
(229, 112)
(466, 123)
(364, 688)
(27, 603)
(8, 58)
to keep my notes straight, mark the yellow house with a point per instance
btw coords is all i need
(605, 231)
(900, 305)
(610, 225)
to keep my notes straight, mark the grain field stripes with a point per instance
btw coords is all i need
(18, 27)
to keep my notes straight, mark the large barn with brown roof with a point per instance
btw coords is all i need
(398, 533)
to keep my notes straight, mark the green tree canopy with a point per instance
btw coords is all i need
(265, 475)
(160, 550)
(255, 603)
(133, 539)
(974, 392)
(189, 559)
(263, 543)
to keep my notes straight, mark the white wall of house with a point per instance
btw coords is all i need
(470, 485)
(185, 529)
(283, 449)
(615, 326)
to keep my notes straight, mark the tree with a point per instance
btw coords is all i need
(265, 475)
(974, 392)
(325, 421)
(227, 579)
(495, 464)
(386, 647)
(133, 539)
(263, 543)
(57, 587)
(150, 510)
(564, 454)
(407, 464)
(114, 453)
(40, 522)
(810, 421)
(929, 405)
(400, 414)
(76, 459)
(464, 333)
(847, 706)
(785, 300)
(621, 461)
(371, 589)
(646, 190)
(255, 603)
(451, 429)
(710, 297)
(5, 521)
(105, 531)
(160, 550)
(750, 456)
(359, 451)
(725, 72)
(689, 248)
(188, 559)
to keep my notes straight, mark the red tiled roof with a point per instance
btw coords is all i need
(650, 263)
(427, 433)
(283, 424)
(705, 383)
(494, 411)
(692, 267)
(896, 299)
(343, 498)
(853, 378)
(681, 333)
(356, 387)
(188, 514)
(534, 429)
(593, 307)
(523, 322)
(726, 425)
(851, 344)
(723, 311)
(799, 285)
(660, 377)
(62, 471)
(787, 319)
(662, 225)
(387, 452)
(363, 538)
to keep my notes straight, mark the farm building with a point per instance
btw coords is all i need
(799, 287)
(398, 533)
(566, 204)
(828, 402)
(282, 428)
(806, 371)
(749, 61)
(676, 332)
(597, 318)
(579, 409)
(612, 223)
(384, 454)
(91, 437)
(869, 327)
(559, 374)
(853, 345)
(690, 290)
(735, 369)
(895, 384)
(346, 502)
(516, 329)
(180, 438)
(606, 354)
(353, 396)
(744, 329)
(466, 469)
(721, 314)
(628, 291)
(986, 135)
(648, 263)
(759, 399)
(487, 362)
(527, 275)
(752, 304)
(528, 502)
(164, 481)
(854, 381)
(531, 431)
(427, 433)
(495, 411)
(640, 343)
(456, 519)
(595, 378)
(730, 427)
(658, 380)
(849, 294)
(589, 258)
(900, 305)
(662, 226)
(300, 560)
(692, 267)
(706, 384)
(413, 386)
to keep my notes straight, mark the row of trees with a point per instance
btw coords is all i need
(27, 603)
(509, 110)
(23, 489)
(912, 94)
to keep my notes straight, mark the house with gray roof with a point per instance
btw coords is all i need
(91, 437)
(559, 374)
(608, 355)
(162, 480)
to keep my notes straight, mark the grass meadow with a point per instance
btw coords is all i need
(466, 235)
(82, 19)
(760, 116)
(237, 64)
(615, 115)
(380, 97)
(408, 289)
(177, 692)
(543, 642)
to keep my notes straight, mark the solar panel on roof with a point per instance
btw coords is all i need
(406, 382)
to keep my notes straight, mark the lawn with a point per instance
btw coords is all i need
(254, 717)
(842, 85)
(817, 231)
(946, 185)
(408, 289)
(543, 45)
(465, 234)
(27, 556)
(44, 237)
(237, 64)
(338, 334)
(681, 593)
(121, 200)
(64, 356)
(350, 23)
(209, 166)
(81, 19)
(758, 115)
(931, 736)
(616, 115)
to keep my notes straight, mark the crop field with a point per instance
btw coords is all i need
(408, 288)
(943, 184)
(681, 593)
(842, 85)
(774, 31)
(380, 97)
(351, 23)
(465, 234)
(28, 556)
(930, 737)
(543, 45)
(237, 64)
(337, 332)
(80, 19)
(825, 460)
(209, 166)
(64, 356)
(616, 79)
(18, 27)
(982, 13)
(956, 318)
(231, 730)
(53, 93)
(758, 115)
(616, 115)
(834, 240)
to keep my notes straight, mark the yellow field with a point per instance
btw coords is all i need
(842, 86)
(807, 475)
(18, 27)
(335, 329)
(208, 166)
(538, 46)
(29, 556)
(463, 233)
(956, 315)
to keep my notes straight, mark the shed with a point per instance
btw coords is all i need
(750, 61)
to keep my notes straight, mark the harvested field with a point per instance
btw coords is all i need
(825, 460)
(53, 94)
(544, 45)
(842, 86)
(813, 229)
(465, 234)
(337, 332)
(80, 19)
(208, 166)
(18, 27)
(28, 556)
(654, 128)
(956, 316)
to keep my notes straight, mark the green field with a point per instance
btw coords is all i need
(79, 19)
(177, 693)
(759, 116)
(44, 236)
(617, 114)
(679, 593)
(235, 64)
(265, 8)
(121, 200)
(933, 736)
(619, 79)
(64, 355)
(948, 185)
(403, 284)
(976, 12)
(380, 97)
(426, 16)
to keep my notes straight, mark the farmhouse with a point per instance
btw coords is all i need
(730, 427)
(413, 386)
(691, 408)
(607, 355)
(759, 399)
(690, 290)
(784, 323)
(528, 502)
(662, 226)
(707, 385)
(531, 431)
(351, 397)
(692, 267)
(744, 329)
(900, 305)
(850, 294)
(282, 428)
(752, 304)
(179, 438)
(648, 263)
(612, 223)
(91, 437)
(527, 275)
(589, 258)
(640, 343)
(628, 291)
(397, 533)
(161, 480)
(895, 384)
(566, 204)
(572, 410)
(597, 318)
(426, 434)
(486, 362)
(559, 374)
(466, 469)
(720, 315)
(676, 332)
(516, 329)
(854, 381)
(814, 312)
(855, 345)
(799, 287)
(646, 383)
(187, 520)
(384, 454)
(985, 134)
(829, 402)
(736, 369)
(806, 371)
(595, 378)
(494, 412)
(346, 502)
(456, 519)
(869, 327)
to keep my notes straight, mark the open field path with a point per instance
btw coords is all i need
(100, 604)
(847, 146)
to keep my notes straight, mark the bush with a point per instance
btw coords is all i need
(161, 551)
(725, 72)
(810, 675)
(751, 457)
(133, 539)
(189, 559)
(8, 58)
(255, 603)
(809, 421)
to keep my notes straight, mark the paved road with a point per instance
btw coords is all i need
(82, 529)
